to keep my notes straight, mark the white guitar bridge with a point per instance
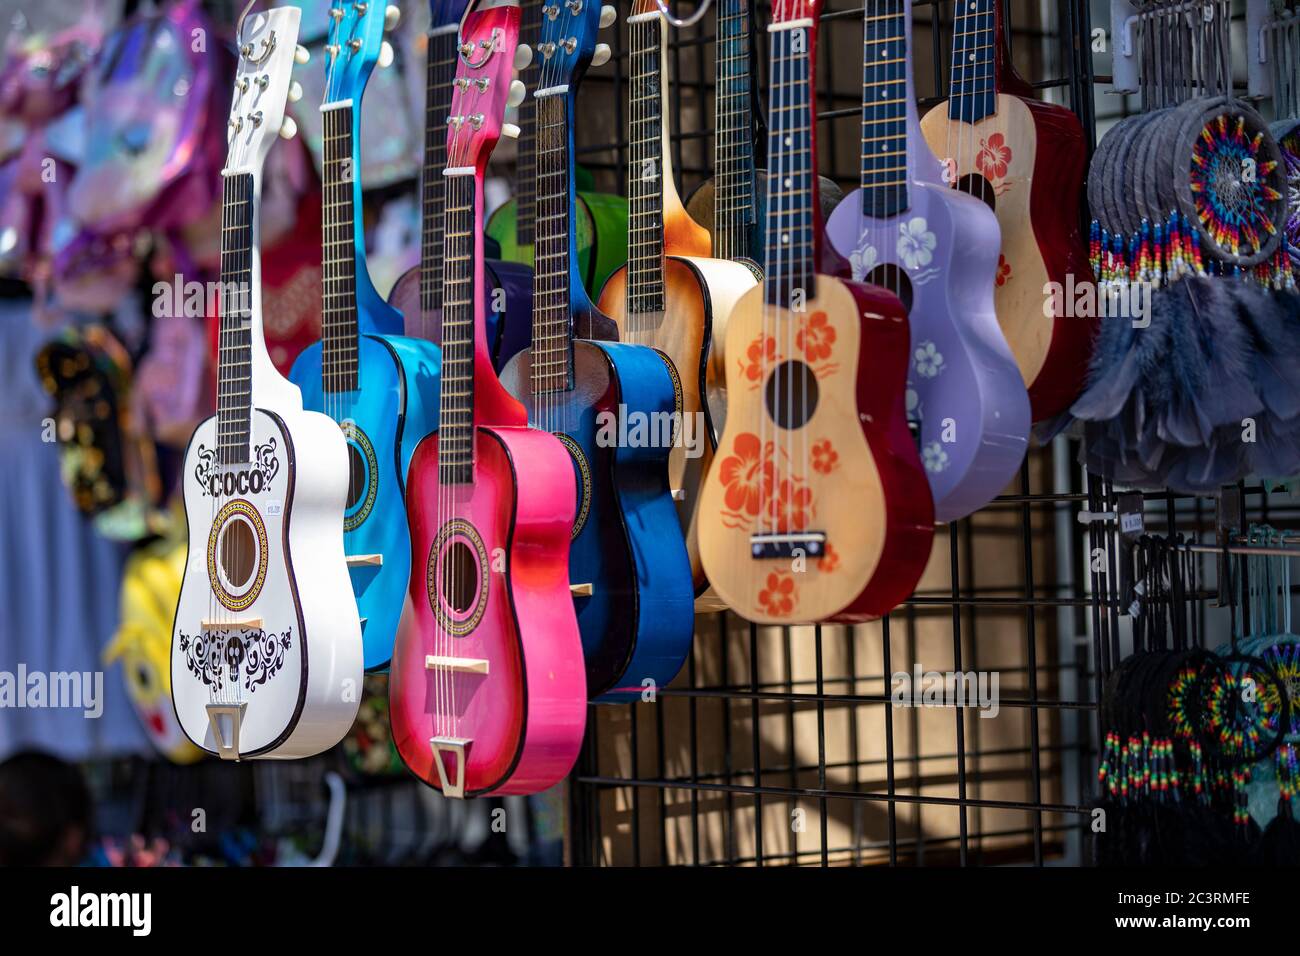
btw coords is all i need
(465, 665)
(365, 560)
(226, 749)
(234, 624)
(457, 747)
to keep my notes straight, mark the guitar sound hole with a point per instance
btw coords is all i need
(238, 553)
(791, 394)
(459, 577)
(979, 187)
(891, 277)
(356, 475)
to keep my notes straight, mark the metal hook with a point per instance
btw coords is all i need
(690, 21)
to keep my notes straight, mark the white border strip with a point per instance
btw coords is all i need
(337, 105)
(644, 17)
(552, 91)
(459, 171)
(789, 25)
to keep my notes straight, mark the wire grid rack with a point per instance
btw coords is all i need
(780, 745)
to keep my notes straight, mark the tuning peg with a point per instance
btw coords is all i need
(607, 15)
(517, 93)
(510, 131)
(288, 129)
(295, 91)
(602, 54)
(391, 15)
(301, 54)
(385, 54)
(523, 56)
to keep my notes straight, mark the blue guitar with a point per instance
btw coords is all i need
(381, 387)
(612, 406)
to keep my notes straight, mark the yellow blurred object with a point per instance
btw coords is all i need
(150, 587)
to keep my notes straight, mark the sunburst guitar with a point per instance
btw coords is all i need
(671, 295)
(266, 657)
(1026, 160)
(487, 687)
(816, 507)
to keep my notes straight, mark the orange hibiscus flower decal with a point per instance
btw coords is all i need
(790, 508)
(761, 351)
(824, 457)
(778, 597)
(1004, 270)
(994, 157)
(746, 475)
(829, 561)
(816, 337)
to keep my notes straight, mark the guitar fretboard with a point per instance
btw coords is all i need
(972, 91)
(645, 174)
(734, 215)
(456, 402)
(552, 368)
(530, 31)
(338, 261)
(439, 74)
(235, 343)
(884, 109)
(791, 196)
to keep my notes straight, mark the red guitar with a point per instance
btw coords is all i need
(488, 687)
(816, 507)
(1026, 159)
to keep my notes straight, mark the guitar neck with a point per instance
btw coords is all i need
(734, 213)
(555, 247)
(439, 74)
(648, 166)
(459, 331)
(886, 100)
(792, 199)
(339, 324)
(972, 91)
(235, 338)
(530, 31)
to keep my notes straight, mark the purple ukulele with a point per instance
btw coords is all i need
(937, 249)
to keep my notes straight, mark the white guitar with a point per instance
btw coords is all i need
(266, 656)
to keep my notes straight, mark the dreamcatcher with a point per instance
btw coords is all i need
(1194, 185)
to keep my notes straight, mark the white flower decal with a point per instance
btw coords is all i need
(934, 457)
(929, 360)
(862, 262)
(915, 243)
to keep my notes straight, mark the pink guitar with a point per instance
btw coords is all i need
(487, 686)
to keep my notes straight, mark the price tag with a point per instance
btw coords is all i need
(1131, 523)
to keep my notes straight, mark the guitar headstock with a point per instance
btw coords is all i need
(568, 41)
(268, 49)
(356, 46)
(791, 11)
(489, 52)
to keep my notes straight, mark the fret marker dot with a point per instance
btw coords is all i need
(788, 141)
(788, 182)
(971, 57)
(785, 237)
(884, 93)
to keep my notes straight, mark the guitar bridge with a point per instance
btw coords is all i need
(234, 713)
(455, 746)
(811, 544)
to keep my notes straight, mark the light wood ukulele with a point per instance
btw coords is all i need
(1025, 159)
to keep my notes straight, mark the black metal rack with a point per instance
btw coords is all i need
(696, 784)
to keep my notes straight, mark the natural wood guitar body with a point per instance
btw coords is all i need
(821, 476)
(1026, 160)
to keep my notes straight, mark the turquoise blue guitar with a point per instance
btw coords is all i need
(381, 387)
(608, 403)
